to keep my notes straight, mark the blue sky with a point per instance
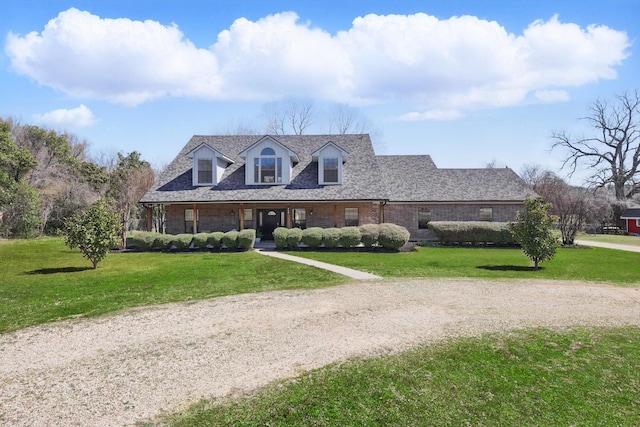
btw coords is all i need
(468, 82)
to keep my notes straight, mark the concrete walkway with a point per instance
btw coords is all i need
(349, 272)
(629, 248)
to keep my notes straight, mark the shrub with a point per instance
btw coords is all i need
(331, 237)
(162, 241)
(144, 240)
(280, 237)
(246, 238)
(369, 234)
(294, 236)
(392, 236)
(181, 241)
(473, 232)
(200, 240)
(350, 237)
(215, 239)
(312, 237)
(230, 239)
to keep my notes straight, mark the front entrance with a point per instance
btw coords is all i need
(269, 220)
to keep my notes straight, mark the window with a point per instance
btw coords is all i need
(351, 217)
(205, 171)
(267, 168)
(637, 222)
(486, 214)
(330, 166)
(299, 218)
(248, 218)
(188, 220)
(423, 220)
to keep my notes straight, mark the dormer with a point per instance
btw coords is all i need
(268, 162)
(208, 165)
(330, 158)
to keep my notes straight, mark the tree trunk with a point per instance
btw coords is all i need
(535, 264)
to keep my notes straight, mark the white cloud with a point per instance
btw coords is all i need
(438, 66)
(73, 118)
(433, 115)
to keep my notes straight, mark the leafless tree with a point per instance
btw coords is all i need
(532, 174)
(613, 153)
(289, 116)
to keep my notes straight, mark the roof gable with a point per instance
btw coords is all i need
(328, 146)
(206, 148)
(267, 141)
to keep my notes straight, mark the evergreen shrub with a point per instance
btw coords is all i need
(369, 234)
(280, 237)
(350, 237)
(181, 241)
(294, 237)
(200, 240)
(246, 238)
(215, 239)
(312, 237)
(392, 236)
(230, 239)
(331, 237)
(472, 232)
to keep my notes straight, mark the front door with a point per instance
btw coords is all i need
(269, 220)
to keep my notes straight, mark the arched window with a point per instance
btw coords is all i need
(267, 168)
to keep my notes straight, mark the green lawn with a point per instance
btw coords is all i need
(43, 280)
(583, 377)
(610, 238)
(592, 264)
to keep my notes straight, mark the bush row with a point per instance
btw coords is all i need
(242, 240)
(472, 232)
(387, 236)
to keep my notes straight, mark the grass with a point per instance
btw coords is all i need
(590, 264)
(43, 280)
(610, 238)
(582, 377)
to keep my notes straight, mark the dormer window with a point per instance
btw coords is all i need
(330, 158)
(330, 166)
(205, 171)
(208, 165)
(267, 168)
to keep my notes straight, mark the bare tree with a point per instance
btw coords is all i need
(289, 116)
(613, 154)
(532, 174)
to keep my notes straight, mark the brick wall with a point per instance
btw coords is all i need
(406, 214)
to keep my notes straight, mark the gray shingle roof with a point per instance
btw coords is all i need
(416, 178)
(365, 176)
(360, 172)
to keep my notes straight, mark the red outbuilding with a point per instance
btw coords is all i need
(632, 219)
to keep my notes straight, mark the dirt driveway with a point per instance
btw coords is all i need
(118, 369)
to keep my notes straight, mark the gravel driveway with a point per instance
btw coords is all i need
(122, 368)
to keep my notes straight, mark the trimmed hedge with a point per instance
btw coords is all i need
(246, 238)
(215, 239)
(181, 242)
(472, 232)
(331, 237)
(144, 239)
(162, 242)
(350, 237)
(312, 237)
(369, 234)
(294, 237)
(280, 237)
(200, 240)
(392, 236)
(230, 239)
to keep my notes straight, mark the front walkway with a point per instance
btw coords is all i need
(349, 272)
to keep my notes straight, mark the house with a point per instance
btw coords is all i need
(219, 183)
(632, 219)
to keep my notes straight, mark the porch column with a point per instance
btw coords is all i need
(335, 214)
(381, 214)
(241, 216)
(195, 219)
(288, 218)
(149, 217)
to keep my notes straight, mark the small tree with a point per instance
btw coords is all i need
(95, 231)
(533, 230)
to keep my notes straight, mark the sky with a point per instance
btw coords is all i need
(469, 82)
